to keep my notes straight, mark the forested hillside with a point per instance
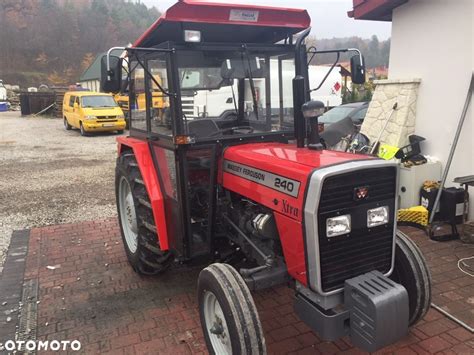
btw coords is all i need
(52, 41)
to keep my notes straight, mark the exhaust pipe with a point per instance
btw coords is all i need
(300, 92)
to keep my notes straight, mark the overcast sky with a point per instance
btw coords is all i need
(328, 17)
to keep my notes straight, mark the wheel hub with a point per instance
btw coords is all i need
(216, 325)
(217, 328)
(128, 215)
(130, 212)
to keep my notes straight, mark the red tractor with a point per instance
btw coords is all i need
(252, 194)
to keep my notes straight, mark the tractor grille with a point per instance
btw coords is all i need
(364, 249)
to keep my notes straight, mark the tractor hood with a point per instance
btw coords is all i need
(276, 174)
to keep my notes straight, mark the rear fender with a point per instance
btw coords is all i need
(144, 159)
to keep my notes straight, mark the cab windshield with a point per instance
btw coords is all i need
(98, 101)
(240, 92)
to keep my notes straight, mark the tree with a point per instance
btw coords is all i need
(42, 59)
(373, 54)
(385, 53)
(87, 60)
(56, 40)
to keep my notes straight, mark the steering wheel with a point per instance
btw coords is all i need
(232, 129)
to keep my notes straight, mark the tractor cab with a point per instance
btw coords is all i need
(245, 58)
(230, 173)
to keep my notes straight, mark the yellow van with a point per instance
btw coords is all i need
(92, 112)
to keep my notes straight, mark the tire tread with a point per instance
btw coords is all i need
(418, 263)
(150, 260)
(245, 317)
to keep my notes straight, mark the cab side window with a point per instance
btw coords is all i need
(71, 100)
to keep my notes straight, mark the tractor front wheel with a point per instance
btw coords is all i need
(229, 318)
(411, 271)
(136, 220)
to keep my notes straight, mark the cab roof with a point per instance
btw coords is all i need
(225, 23)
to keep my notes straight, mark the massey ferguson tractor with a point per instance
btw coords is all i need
(256, 198)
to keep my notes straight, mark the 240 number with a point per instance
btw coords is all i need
(284, 184)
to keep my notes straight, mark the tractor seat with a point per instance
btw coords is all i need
(202, 127)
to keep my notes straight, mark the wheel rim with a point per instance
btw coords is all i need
(216, 325)
(128, 216)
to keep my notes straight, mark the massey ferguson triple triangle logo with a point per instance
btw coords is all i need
(361, 193)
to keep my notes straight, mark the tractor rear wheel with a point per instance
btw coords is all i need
(136, 220)
(411, 271)
(229, 318)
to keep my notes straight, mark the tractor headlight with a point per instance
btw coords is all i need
(377, 216)
(91, 117)
(338, 225)
(120, 117)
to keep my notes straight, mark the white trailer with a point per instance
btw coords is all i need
(331, 91)
(3, 92)
(217, 103)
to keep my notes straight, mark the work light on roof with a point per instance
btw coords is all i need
(192, 36)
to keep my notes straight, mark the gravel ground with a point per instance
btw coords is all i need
(50, 176)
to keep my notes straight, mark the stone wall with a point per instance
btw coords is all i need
(402, 122)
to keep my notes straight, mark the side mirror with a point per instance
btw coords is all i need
(111, 74)
(358, 69)
(313, 109)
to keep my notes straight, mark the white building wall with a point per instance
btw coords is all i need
(92, 85)
(433, 40)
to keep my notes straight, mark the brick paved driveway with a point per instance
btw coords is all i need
(87, 291)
